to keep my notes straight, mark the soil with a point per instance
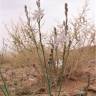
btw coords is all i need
(25, 81)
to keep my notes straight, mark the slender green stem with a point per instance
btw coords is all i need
(47, 77)
(4, 88)
(64, 49)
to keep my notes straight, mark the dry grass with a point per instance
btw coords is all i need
(30, 50)
(78, 57)
(75, 62)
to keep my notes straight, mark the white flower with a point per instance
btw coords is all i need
(61, 37)
(38, 14)
(59, 63)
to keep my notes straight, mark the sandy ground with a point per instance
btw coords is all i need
(27, 80)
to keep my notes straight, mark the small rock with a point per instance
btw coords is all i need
(92, 88)
(40, 91)
(78, 93)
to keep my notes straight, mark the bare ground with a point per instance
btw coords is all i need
(25, 81)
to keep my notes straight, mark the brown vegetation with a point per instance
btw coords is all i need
(33, 66)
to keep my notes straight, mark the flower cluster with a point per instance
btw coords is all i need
(61, 37)
(39, 13)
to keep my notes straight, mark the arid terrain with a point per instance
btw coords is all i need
(41, 58)
(25, 80)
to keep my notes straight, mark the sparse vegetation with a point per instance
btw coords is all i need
(49, 65)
